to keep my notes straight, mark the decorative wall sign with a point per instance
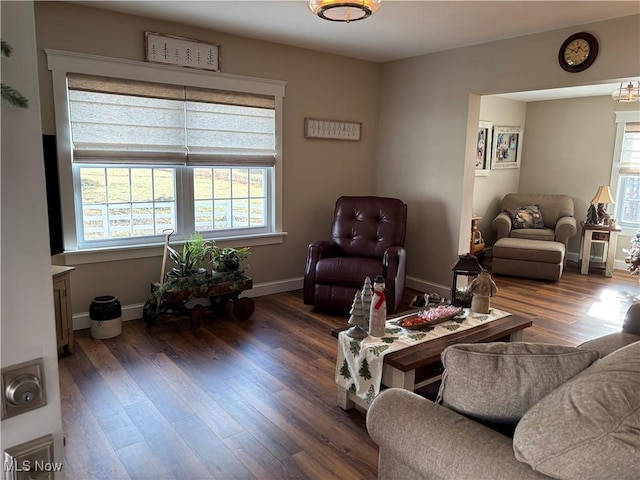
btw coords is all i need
(507, 147)
(182, 52)
(483, 151)
(332, 129)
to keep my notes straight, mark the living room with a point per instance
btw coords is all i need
(410, 110)
(313, 89)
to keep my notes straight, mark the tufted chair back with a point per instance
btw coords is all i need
(367, 240)
(367, 226)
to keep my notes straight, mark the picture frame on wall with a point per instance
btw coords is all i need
(181, 52)
(332, 129)
(483, 148)
(507, 147)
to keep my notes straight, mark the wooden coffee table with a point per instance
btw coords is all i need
(419, 365)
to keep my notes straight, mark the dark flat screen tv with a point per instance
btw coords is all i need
(53, 193)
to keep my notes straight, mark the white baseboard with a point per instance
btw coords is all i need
(617, 264)
(428, 287)
(134, 311)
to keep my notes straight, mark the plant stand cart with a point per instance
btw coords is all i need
(219, 294)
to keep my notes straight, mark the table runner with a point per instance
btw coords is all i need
(359, 361)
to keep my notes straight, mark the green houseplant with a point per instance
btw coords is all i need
(226, 263)
(191, 259)
(189, 276)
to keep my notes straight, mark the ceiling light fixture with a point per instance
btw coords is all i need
(627, 94)
(344, 11)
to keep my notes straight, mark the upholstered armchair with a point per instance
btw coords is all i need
(558, 222)
(367, 239)
(533, 232)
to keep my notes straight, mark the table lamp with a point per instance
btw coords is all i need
(602, 197)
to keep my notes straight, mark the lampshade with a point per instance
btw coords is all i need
(344, 11)
(627, 93)
(603, 195)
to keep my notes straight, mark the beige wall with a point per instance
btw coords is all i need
(316, 172)
(570, 150)
(488, 191)
(426, 152)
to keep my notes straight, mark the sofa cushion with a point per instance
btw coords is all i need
(525, 217)
(588, 427)
(496, 383)
(544, 234)
(552, 207)
(529, 250)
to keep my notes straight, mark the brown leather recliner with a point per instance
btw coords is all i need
(367, 239)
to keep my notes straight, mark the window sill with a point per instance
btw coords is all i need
(99, 255)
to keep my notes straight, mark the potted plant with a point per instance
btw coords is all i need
(226, 263)
(189, 276)
(192, 258)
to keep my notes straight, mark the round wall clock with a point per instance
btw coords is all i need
(578, 52)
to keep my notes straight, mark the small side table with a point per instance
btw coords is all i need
(62, 306)
(607, 236)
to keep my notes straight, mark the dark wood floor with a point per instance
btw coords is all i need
(257, 399)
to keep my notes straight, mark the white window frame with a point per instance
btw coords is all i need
(622, 117)
(61, 63)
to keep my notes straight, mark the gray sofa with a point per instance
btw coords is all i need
(587, 427)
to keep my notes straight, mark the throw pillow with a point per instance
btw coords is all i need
(525, 217)
(587, 428)
(496, 383)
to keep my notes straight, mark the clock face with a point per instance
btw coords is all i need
(578, 52)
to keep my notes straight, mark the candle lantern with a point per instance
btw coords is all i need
(467, 266)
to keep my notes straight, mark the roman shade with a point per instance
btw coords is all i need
(127, 121)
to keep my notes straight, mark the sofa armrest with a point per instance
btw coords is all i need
(316, 251)
(632, 320)
(565, 229)
(502, 225)
(434, 442)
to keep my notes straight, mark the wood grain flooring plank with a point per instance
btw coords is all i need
(312, 469)
(213, 453)
(209, 411)
(153, 385)
(104, 405)
(316, 447)
(87, 453)
(120, 382)
(143, 463)
(328, 425)
(274, 440)
(171, 452)
(258, 460)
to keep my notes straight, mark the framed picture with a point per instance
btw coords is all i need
(507, 147)
(483, 150)
(181, 52)
(332, 129)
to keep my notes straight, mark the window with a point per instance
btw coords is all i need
(626, 167)
(143, 156)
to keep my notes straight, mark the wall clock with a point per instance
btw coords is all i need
(578, 52)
